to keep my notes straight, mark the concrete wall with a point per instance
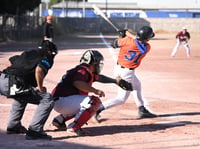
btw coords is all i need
(30, 28)
(174, 24)
(96, 25)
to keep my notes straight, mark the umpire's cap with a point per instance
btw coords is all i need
(145, 33)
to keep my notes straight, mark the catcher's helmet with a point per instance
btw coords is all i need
(48, 46)
(93, 57)
(145, 33)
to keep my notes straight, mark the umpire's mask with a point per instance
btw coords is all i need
(49, 46)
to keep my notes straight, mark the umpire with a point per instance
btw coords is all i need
(23, 81)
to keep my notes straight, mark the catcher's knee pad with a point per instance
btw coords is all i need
(88, 108)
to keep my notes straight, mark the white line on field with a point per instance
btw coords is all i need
(70, 54)
(5, 105)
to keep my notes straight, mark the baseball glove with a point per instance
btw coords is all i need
(124, 84)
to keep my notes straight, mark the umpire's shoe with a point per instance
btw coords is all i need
(144, 113)
(34, 135)
(19, 129)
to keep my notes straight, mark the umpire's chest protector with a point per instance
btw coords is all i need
(24, 66)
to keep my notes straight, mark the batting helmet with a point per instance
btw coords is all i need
(93, 57)
(145, 33)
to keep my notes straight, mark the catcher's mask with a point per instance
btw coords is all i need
(48, 46)
(145, 33)
(93, 57)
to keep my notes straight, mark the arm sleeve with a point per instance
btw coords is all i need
(45, 65)
(105, 79)
(188, 35)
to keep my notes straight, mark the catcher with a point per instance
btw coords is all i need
(182, 37)
(71, 93)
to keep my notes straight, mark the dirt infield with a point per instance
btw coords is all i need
(170, 86)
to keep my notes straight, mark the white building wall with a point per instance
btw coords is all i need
(194, 4)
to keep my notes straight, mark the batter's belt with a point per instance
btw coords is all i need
(125, 67)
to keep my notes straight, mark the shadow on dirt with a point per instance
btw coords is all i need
(180, 114)
(114, 129)
(161, 115)
(63, 43)
(7, 142)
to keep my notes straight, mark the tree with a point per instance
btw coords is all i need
(18, 7)
(52, 2)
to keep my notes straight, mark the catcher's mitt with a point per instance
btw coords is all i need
(124, 84)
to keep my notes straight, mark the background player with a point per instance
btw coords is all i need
(130, 56)
(48, 29)
(71, 94)
(182, 37)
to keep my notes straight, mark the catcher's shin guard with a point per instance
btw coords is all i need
(89, 106)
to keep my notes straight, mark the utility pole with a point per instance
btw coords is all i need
(106, 7)
(83, 8)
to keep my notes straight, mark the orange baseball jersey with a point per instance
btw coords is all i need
(131, 52)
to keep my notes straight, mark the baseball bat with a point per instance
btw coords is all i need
(104, 16)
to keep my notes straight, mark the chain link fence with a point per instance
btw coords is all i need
(29, 27)
(14, 27)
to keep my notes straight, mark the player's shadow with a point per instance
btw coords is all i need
(160, 115)
(114, 129)
(180, 114)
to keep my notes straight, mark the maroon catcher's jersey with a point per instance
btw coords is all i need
(65, 86)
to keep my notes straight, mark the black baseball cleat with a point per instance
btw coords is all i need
(16, 130)
(60, 126)
(144, 113)
(34, 135)
(96, 116)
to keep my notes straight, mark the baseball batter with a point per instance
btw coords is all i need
(131, 53)
(71, 94)
(182, 38)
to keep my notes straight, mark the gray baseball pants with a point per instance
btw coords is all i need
(43, 100)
